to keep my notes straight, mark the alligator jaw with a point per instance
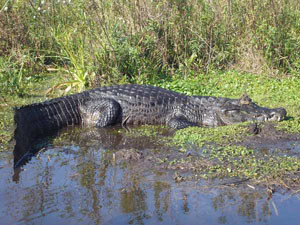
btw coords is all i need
(278, 114)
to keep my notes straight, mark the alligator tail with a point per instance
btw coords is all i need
(42, 119)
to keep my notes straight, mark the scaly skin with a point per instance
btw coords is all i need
(136, 104)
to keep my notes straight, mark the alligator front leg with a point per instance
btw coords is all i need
(100, 112)
(180, 123)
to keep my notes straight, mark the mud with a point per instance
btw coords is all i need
(266, 137)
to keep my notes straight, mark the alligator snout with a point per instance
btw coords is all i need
(278, 114)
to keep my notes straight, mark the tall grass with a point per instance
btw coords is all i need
(142, 40)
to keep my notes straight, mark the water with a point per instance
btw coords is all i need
(80, 178)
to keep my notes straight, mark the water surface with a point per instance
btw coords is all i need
(81, 178)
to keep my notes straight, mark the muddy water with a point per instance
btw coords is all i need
(106, 177)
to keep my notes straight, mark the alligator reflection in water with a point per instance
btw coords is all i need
(78, 179)
(112, 138)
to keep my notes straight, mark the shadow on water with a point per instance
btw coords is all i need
(113, 138)
(108, 176)
(24, 150)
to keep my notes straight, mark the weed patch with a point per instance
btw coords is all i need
(217, 155)
(204, 136)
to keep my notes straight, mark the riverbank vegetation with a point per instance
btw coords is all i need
(49, 48)
(100, 42)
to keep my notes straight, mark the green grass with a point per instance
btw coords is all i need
(145, 41)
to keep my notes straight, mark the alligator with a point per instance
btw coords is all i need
(136, 104)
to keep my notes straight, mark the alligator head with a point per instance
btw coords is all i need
(227, 111)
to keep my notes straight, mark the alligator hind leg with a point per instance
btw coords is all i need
(100, 112)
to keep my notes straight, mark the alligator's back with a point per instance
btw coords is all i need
(142, 104)
(139, 94)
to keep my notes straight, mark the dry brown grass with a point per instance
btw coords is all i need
(13, 32)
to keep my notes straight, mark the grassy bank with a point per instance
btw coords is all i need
(99, 42)
(269, 92)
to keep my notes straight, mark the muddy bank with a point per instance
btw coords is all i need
(267, 137)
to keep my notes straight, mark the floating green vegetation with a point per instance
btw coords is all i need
(145, 131)
(221, 157)
(218, 135)
(291, 125)
(238, 161)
